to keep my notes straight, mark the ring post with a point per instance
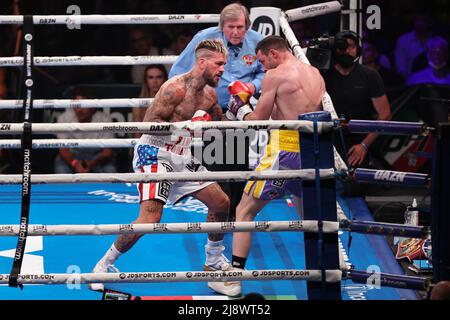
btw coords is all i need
(440, 205)
(321, 250)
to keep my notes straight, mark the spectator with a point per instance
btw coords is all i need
(234, 30)
(179, 43)
(437, 71)
(441, 291)
(357, 92)
(141, 44)
(154, 76)
(412, 44)
(77, 160)
(372, 59)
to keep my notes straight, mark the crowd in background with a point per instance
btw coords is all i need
(405, 27)
(410, 48)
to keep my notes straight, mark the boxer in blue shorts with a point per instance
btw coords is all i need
(289, 89)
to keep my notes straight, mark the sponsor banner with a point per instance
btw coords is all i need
(265, 20)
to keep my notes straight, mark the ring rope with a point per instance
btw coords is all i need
(293, 14)
(363, 227)
(304, 174)
(164, 127)
(70, 143)
(185, 227)
(114, 19)
(89, 60)
(176, 276)
(81, 103)
(366, 227)
(313, 10)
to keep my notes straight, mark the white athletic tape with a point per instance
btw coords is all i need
(178, 276)
(196, 227)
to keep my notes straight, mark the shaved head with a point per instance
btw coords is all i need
(206, 48)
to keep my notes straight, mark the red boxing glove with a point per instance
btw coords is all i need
(238, 105)
(201, 115)
(197, 135)
(241, 90)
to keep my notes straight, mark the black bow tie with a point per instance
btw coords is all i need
(235, 48)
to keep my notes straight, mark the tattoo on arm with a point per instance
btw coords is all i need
(164, 103)
(216, 113)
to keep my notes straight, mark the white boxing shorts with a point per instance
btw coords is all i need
(159, 154)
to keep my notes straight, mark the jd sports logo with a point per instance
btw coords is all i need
(264, 25)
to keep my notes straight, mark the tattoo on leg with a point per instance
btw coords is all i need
(216, 217)
(150, 213)
(125, 241)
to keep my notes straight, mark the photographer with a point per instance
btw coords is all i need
(357, 92)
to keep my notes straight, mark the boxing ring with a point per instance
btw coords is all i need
(79, 207)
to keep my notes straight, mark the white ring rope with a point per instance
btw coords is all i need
(79, 103)
(71, 143)
(304, 174)
(176, 276)
(166, 127)
(294, 15)
(89, 61)
(114, 19)
(313, 10)
(340, 213)
(195, 227)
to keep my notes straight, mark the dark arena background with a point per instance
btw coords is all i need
(400, 40)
